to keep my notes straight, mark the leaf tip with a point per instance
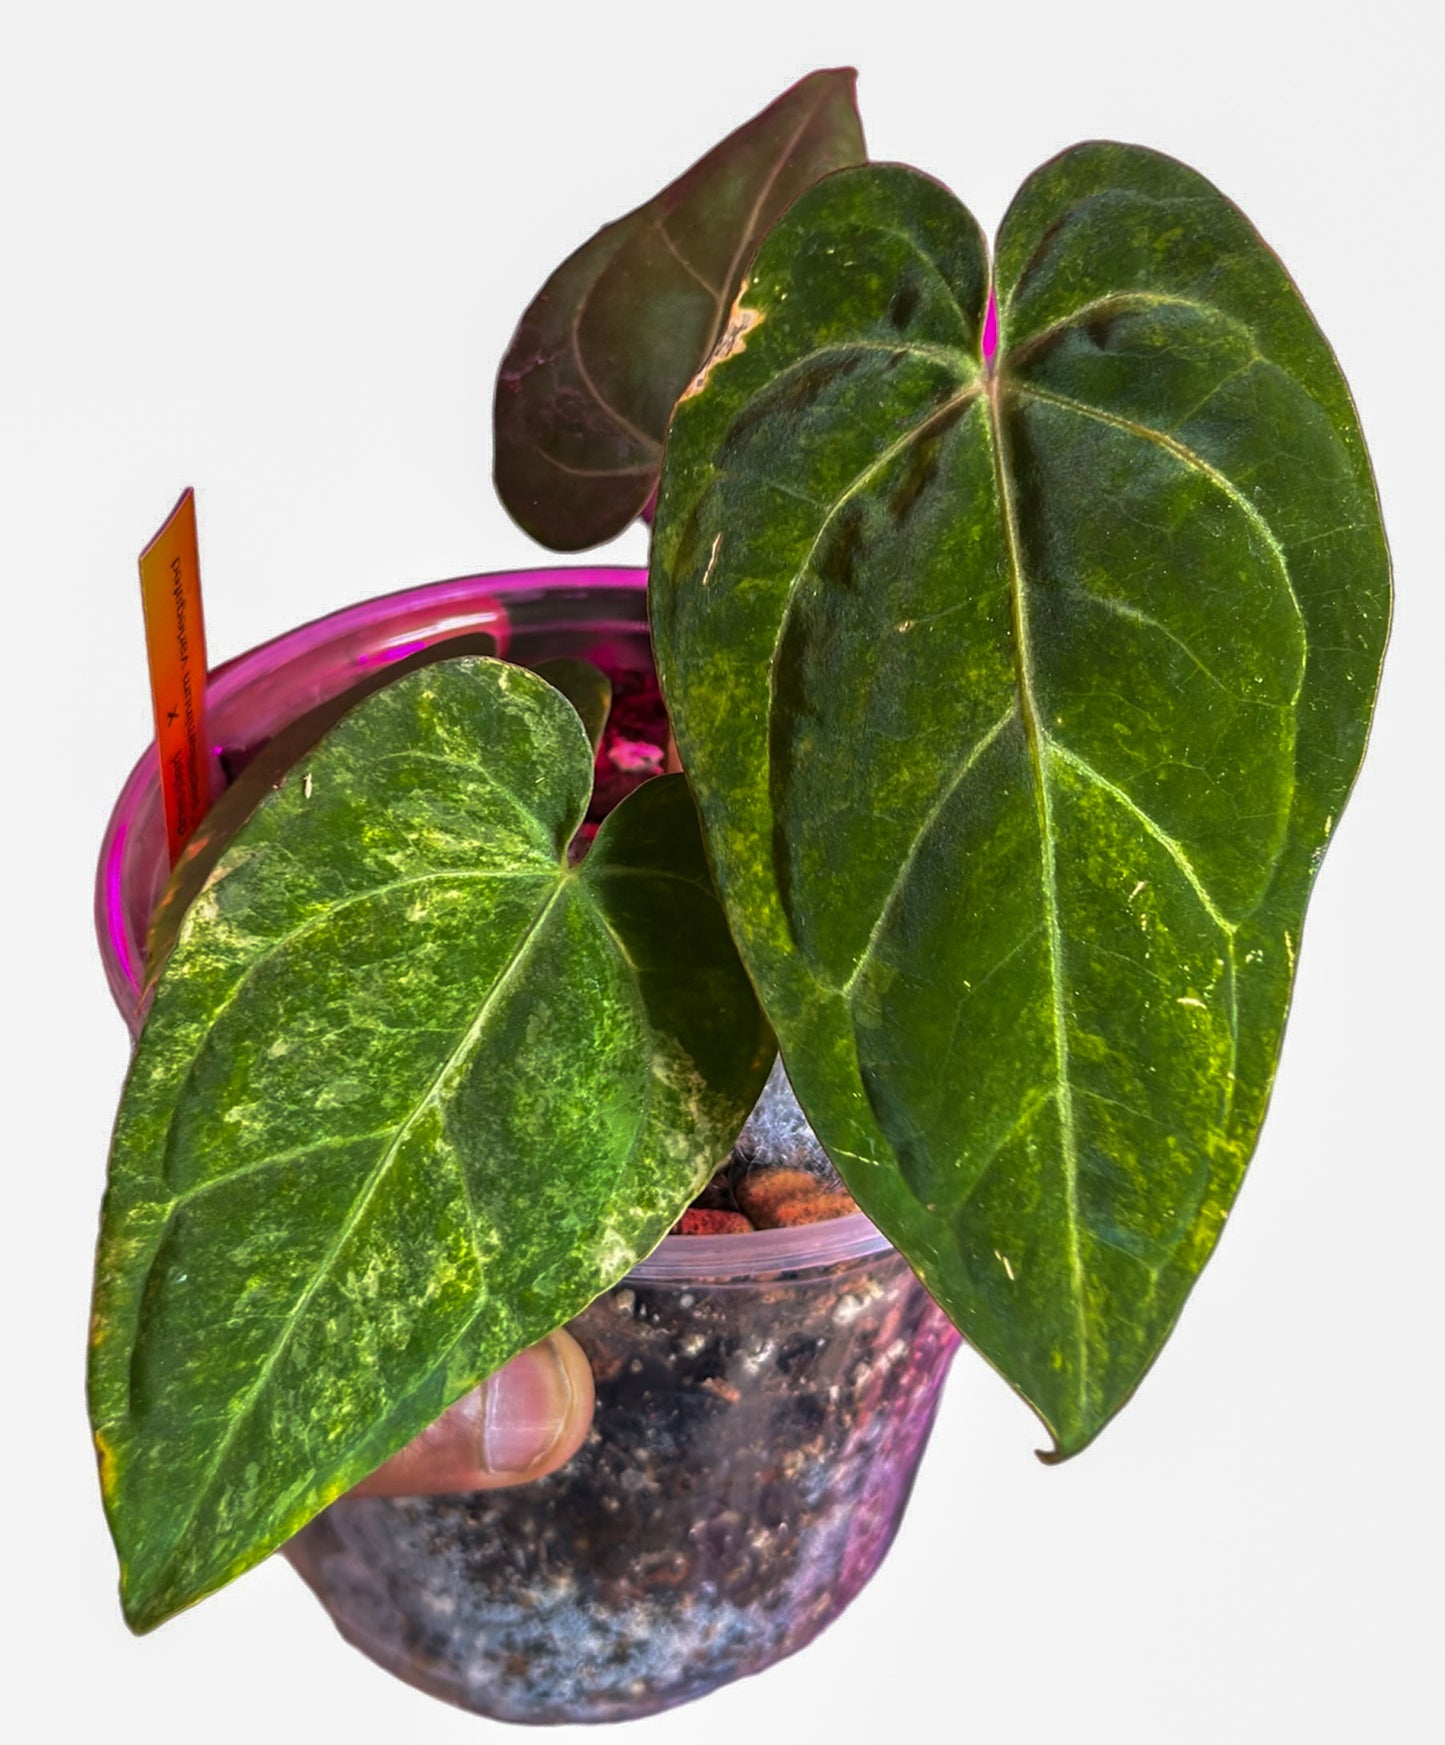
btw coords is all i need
(1079, 1436)
(142, 1609)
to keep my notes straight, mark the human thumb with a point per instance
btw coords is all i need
(519, 1424)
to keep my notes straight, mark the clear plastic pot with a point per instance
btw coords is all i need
(762, 1400)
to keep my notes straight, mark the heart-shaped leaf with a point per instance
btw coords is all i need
(1020, 696)
(621, 327)
(411, 1093)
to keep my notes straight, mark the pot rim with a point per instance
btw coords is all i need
(387, 627)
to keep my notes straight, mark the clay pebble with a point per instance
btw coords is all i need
(778, 1198)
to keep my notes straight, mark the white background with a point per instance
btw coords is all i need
(277, 252)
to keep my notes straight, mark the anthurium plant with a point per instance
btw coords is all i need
(1019, 615)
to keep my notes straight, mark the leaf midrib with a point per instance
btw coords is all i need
(1036, 740)
(358, 1207)
(745, 240)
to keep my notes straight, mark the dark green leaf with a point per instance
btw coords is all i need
(411, 1093)
(619, 330)
(586, 687)
(1020, 704)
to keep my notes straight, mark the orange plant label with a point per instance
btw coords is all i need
(170, 585)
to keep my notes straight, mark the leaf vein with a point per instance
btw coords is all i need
(572, 472)
(1190, 458)
(920, 836)
(877, 465)
(584, 375)
(1120, 303)
(1020, 1124)
(1021, 944)
(659, 224)
(1123, 609)
(276, 1160)
(1171, 846)
(1176, 853)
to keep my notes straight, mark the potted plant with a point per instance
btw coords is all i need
(762, 1400)
(1019, 625)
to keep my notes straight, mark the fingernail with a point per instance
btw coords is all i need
(527, 1406)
